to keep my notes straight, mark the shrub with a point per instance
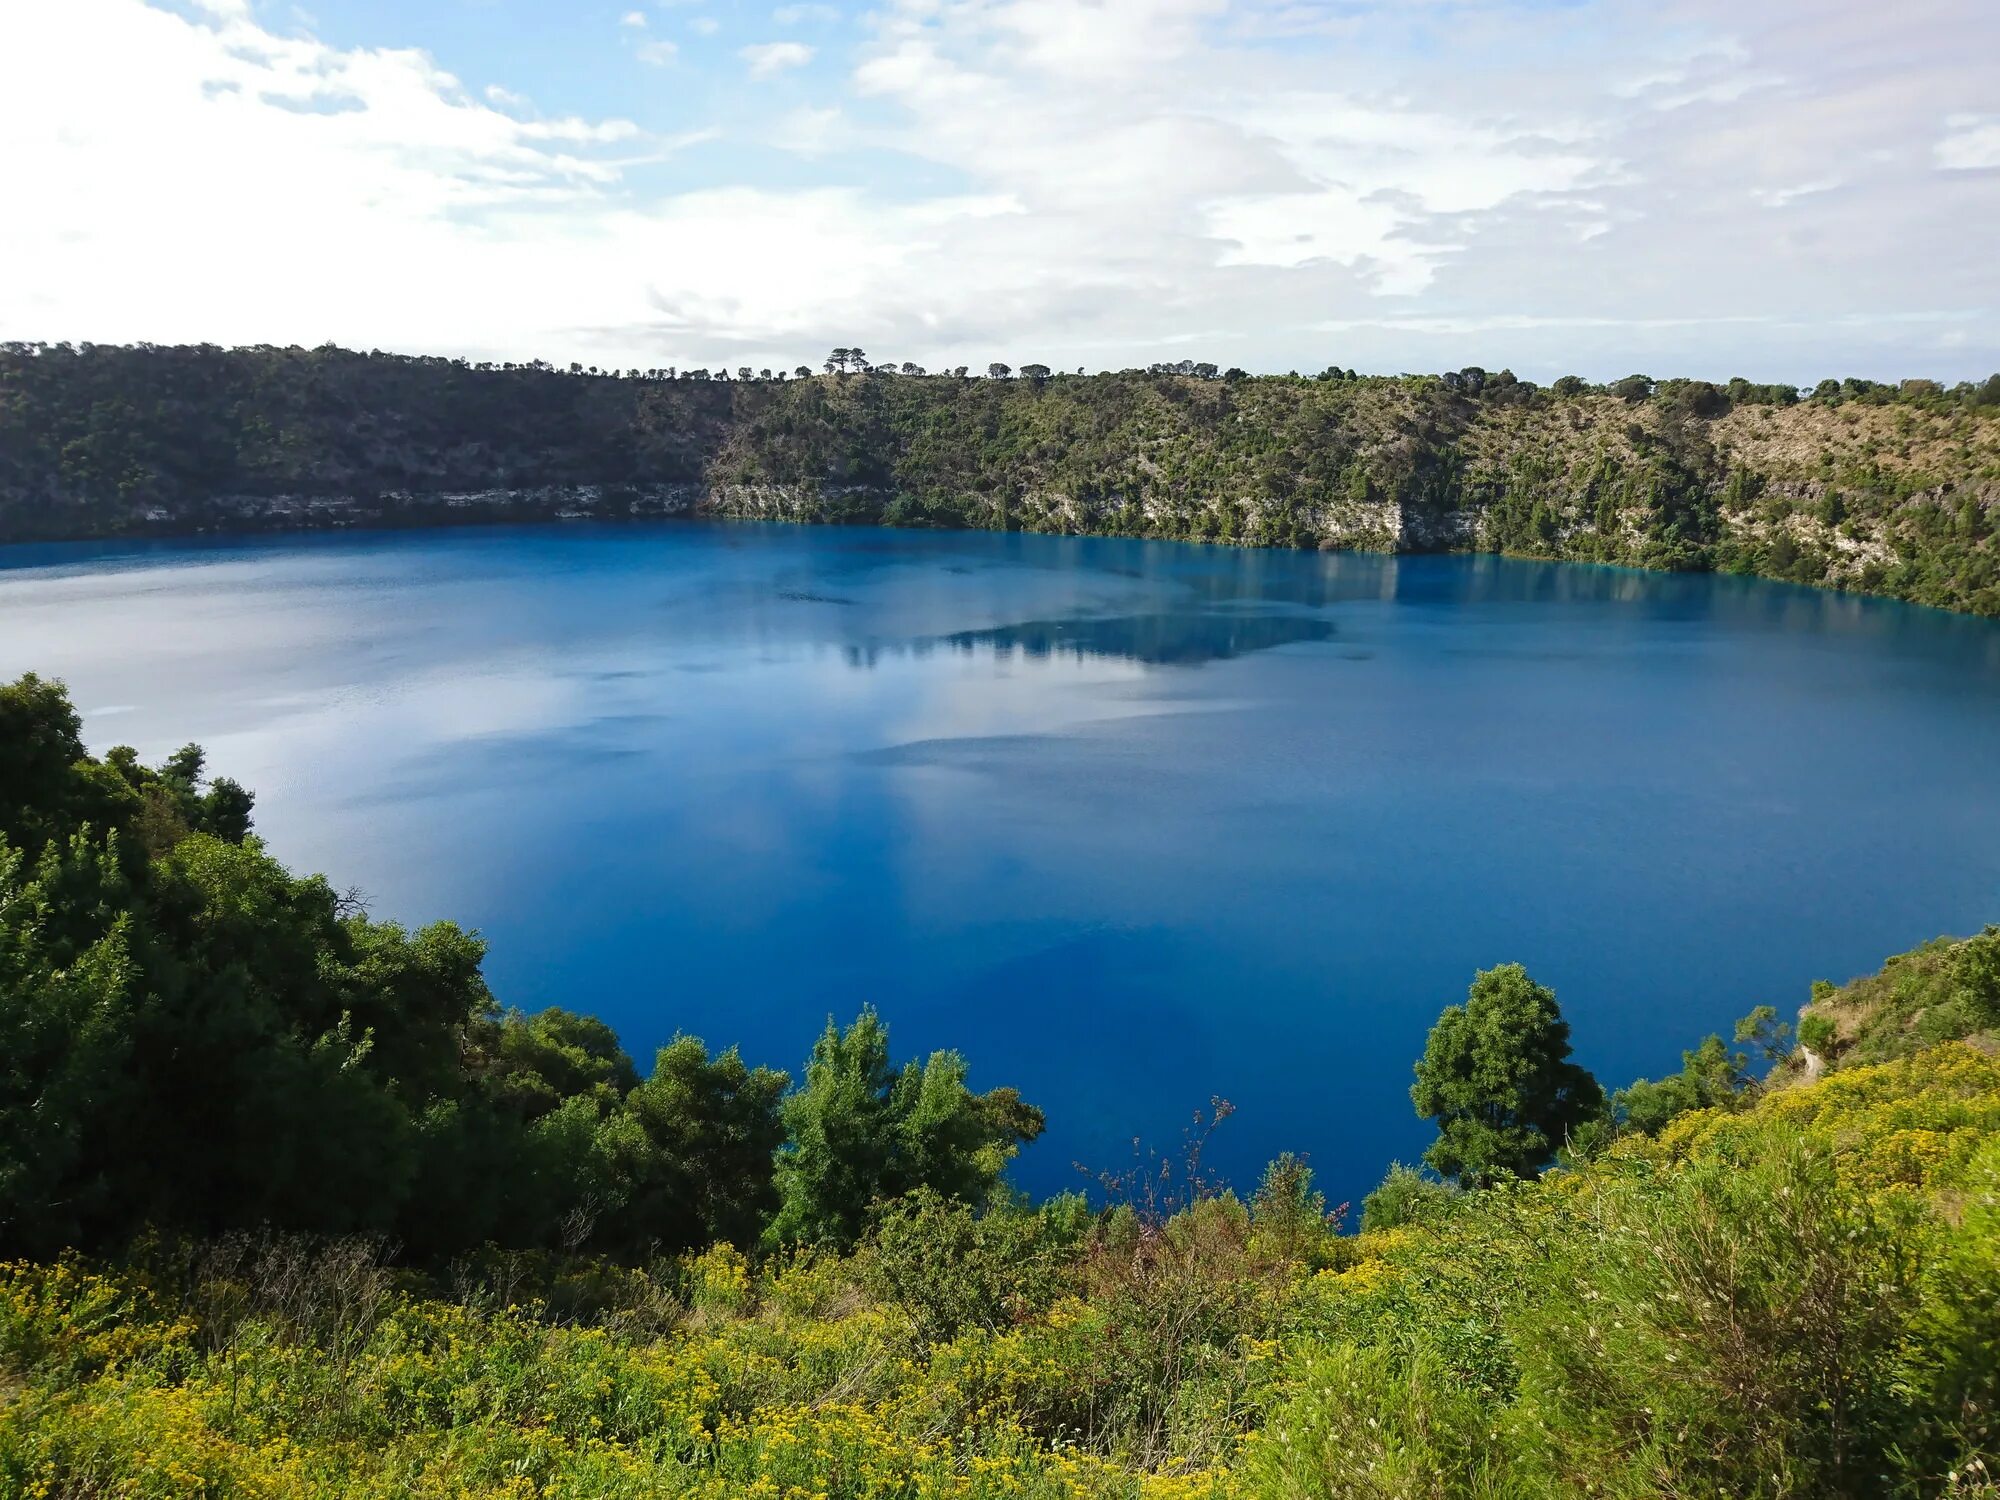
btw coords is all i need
(1405, 1196)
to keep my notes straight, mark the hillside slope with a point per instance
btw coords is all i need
(1886, 490)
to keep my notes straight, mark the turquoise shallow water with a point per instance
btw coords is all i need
(1132, 824)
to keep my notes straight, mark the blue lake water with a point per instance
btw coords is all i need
(1131, 824)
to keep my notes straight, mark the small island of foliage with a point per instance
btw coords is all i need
(1886, 488)
(291, 1207)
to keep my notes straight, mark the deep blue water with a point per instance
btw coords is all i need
(1131, 824)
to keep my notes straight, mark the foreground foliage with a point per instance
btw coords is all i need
(1793, 1298)
(195, 1040)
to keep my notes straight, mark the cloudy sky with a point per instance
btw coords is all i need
(1777, 188)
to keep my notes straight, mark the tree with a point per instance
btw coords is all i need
(1633, 388)
(861, 1133)
(530, 1064)
(1975, 977)
(1496, 1077)
(840, 1131)
(1763, 1030)
(65, 1036)
(47, 789)
(805, 373)
(712, 1127)
(1699, 398)
(1711, 1077)
(1035, 373)
(998, 371)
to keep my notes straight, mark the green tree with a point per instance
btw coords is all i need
(1496, 1077)
(712, 1130)
(531, 1063)
(1763, 1030)
(65, 1034)
(1975, 974)
(862, 1132)
(49, 788)
(1711, 1076)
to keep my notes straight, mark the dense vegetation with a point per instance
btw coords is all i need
(294, 1209)
(195, 1041)
(1889, 489)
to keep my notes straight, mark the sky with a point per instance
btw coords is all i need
(1780, 189)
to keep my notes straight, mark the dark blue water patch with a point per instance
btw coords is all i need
(1132, 824)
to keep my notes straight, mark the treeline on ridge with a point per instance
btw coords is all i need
(1891, 489)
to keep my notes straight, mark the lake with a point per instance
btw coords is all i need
(1131, 824)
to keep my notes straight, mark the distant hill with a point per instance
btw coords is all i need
(1884, 489)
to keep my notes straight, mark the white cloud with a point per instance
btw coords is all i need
(358, 195)
(812, 132)
(768, 59)
(704, 26)
(1971, 142)
(633, 18)
(802, 15)
(1778, 197)
(657, 53)
(1392, 185)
